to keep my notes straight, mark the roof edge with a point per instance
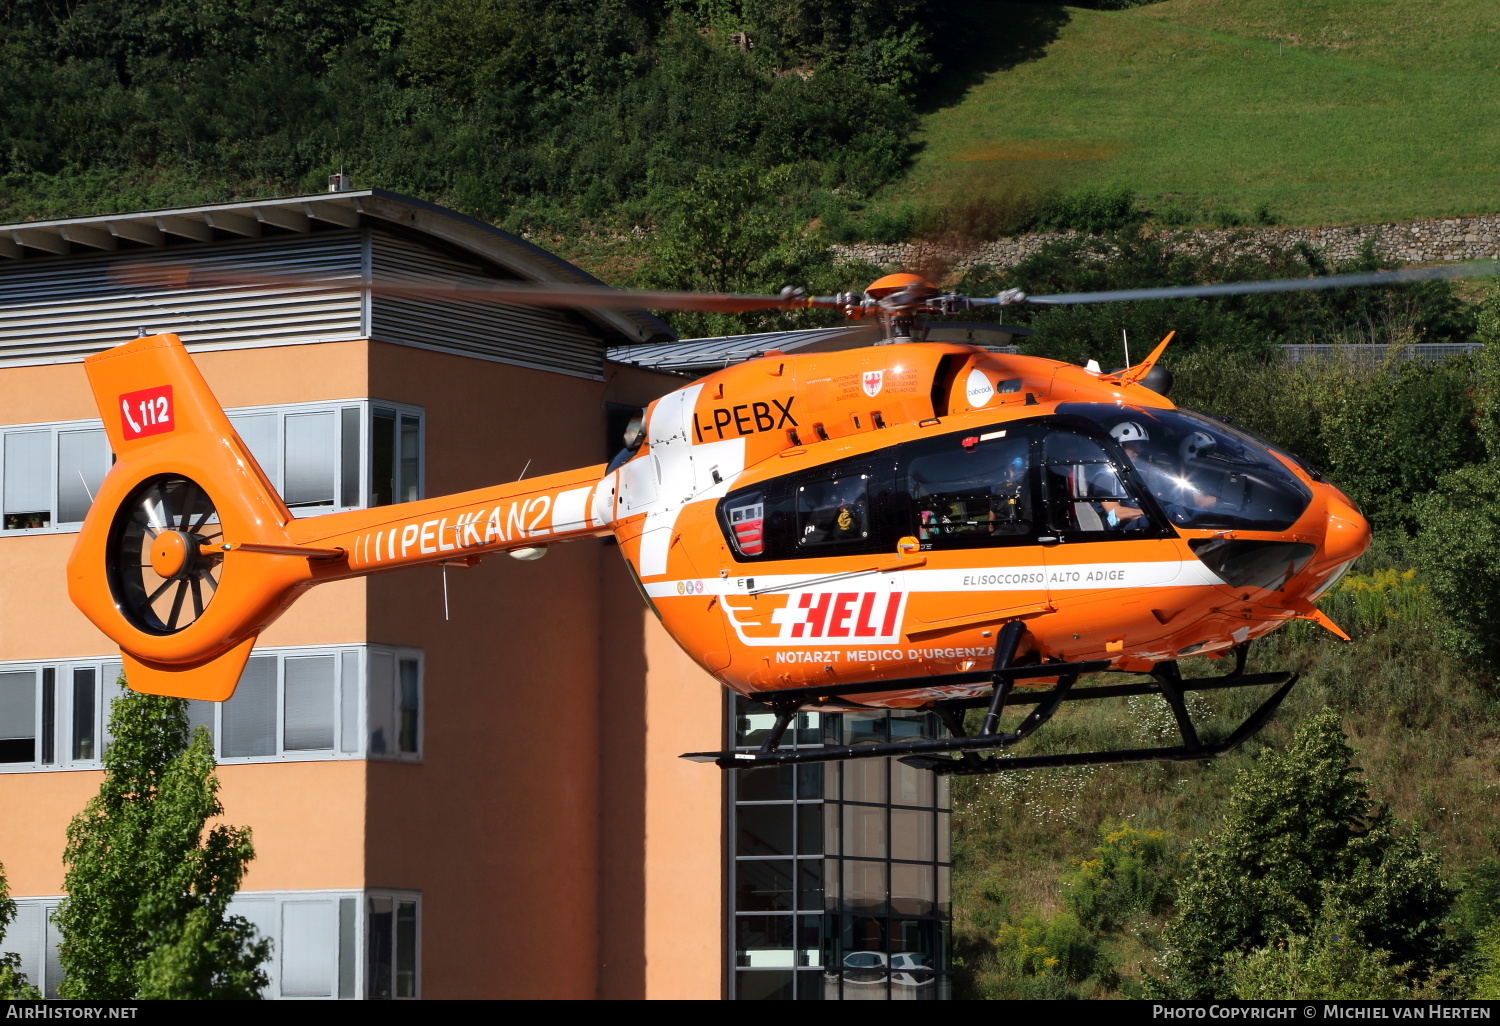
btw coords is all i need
(245, 217)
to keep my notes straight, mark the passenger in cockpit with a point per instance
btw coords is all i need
(1168, 475)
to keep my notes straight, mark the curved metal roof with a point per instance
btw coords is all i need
(156, 229)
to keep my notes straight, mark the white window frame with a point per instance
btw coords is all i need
(340, 684)
(398, 410)
(397, 656)
(276, 472)
(358, 690)
(260, 907)
(274, 967)
(393, 896)
(34, 956)
(57, 428)
(361, 695)
(106, 676)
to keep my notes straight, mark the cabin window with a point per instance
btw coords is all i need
(1085, 491)
(747, 521)
(838, 510)
(973, 492)
(833, 512)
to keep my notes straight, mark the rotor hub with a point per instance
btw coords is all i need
(174, 555)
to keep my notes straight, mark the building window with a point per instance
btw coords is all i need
(324, 457)
(50, 474)
(308, 704)
(394, 946)
(395, 692)
(35, 937)
(395, 455)
(303, 704)
(338, 944)
(840, 871)
(320, 457)
(54, 716)
(324, 944)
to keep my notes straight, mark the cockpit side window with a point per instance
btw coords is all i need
(1086, 493)
(972, 492)
(1203, 474)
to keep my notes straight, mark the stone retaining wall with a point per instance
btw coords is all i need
(1416, 242)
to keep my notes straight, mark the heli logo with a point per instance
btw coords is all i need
(817, 617)
(147, 412)
(872, 382)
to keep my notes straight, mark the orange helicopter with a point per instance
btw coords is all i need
(905, 525)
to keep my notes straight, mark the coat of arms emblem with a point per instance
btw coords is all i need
(873, 381)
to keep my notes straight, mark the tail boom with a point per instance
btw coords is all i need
(524, 514)
(187, 513)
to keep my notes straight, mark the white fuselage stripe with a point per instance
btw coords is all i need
(1062, 577)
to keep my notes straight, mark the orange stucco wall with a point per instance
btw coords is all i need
(684, 825)
(561, 847)
(306, 820)
(37, 808)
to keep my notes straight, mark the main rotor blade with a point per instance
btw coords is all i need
(593, 297)
(1473, 269)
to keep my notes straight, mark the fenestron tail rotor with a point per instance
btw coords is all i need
(165, 554)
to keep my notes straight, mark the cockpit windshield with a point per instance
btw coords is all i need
(1205, 475)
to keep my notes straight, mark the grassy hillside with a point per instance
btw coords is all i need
(1322, 111)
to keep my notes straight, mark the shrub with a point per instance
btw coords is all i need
(1128, 875)
(1090, 209)
(1331, 965)
(1042, 955)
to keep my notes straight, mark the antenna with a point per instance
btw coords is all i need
(1126, 339)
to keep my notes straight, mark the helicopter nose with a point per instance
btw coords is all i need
(1348, 533)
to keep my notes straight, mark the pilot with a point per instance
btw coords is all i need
(1164, 475)
(1126, 514)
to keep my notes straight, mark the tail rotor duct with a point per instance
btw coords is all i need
(165, 554)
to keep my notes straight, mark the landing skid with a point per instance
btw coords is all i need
(959, 753)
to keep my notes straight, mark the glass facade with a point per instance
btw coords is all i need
(839, 871)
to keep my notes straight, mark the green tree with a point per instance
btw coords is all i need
(728, 232)
(148, 890)
(1302, 844)
(1460, 517)
(13, 983)
(1327, 965)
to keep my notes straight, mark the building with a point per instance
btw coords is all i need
(460, 784)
